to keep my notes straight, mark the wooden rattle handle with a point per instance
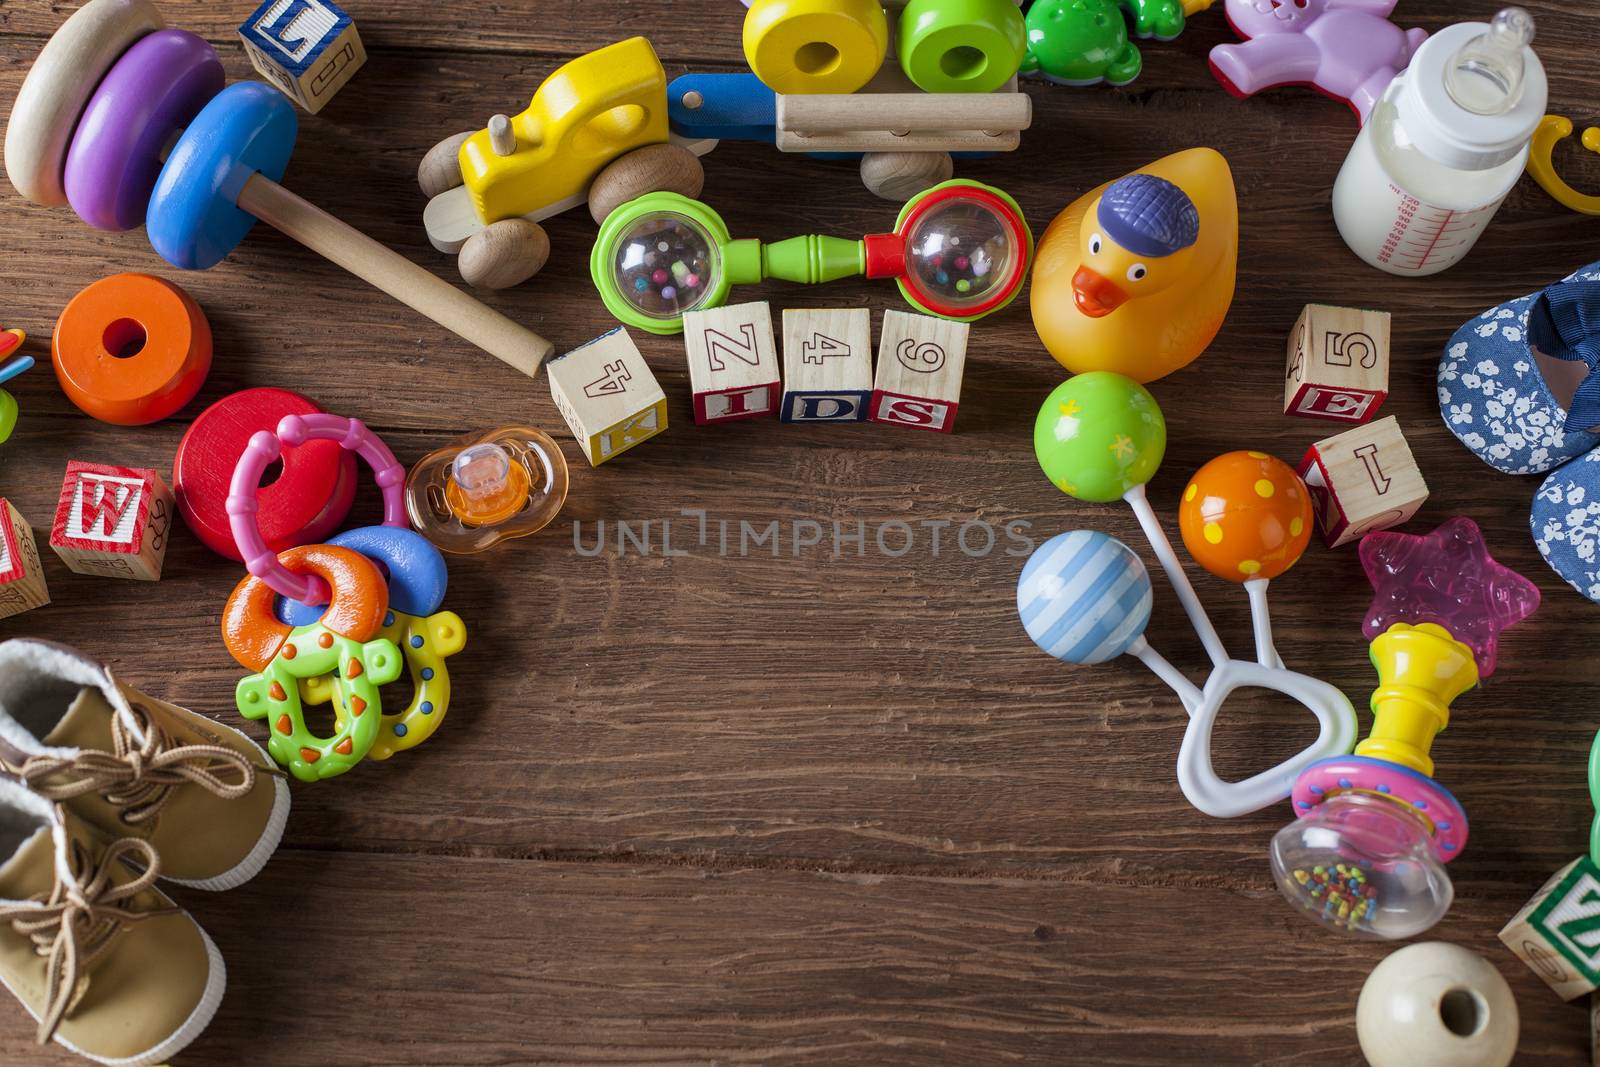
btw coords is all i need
(394, 274)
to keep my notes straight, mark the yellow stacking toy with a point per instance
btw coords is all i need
(815, 46)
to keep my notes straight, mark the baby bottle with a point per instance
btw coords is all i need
(1443, 147)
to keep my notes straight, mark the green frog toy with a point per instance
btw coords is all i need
(1085, 42)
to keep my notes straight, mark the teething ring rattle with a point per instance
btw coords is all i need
(425, 635)
(263, 449)
(344, 643)
(1085, 597)
(1541, 163)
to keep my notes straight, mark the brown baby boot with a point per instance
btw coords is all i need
(203, 794)
(110, 967)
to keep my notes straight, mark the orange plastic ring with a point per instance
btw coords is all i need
(252, 631)
(131, 349)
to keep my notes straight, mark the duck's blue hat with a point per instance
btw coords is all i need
(1149, 216)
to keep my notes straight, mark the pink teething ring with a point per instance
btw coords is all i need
(1379, 778)
(265, 447)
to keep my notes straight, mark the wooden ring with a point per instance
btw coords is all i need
(58, 86)
(131, 349)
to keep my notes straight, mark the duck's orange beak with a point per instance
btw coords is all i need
(1095, 294)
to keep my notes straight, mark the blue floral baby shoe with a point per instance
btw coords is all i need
(1493, 396)
(1566, 523)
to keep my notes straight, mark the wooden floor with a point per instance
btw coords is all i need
(831, 810)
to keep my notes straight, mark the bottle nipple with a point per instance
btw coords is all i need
(1485, 76)
(485, 487)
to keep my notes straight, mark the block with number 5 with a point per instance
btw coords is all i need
(1338, 364)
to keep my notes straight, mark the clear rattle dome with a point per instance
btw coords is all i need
(960, 254)
(665, 264)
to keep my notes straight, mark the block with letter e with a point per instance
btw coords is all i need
(733, 362)
(307, 48)
(827, 365)
(608, 396)
(22, 585)
(1338, 364)
(1557, 933)
(1363, 480)
(113, 521)
(921, 361)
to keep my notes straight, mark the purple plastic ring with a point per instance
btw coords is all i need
(264, 447)
(153, 92)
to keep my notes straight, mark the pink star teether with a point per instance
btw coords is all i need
(1448, 578)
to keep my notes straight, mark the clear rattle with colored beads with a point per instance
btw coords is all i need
(1086, 598)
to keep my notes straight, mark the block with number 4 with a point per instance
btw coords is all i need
(608, 396)
(22, 585)
(307, 48)
(113, 521)
(921, 361)
(1338, 364)
(733, 362)
(1363, 480)
(827, 365)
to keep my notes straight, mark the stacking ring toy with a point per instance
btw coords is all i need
(1084, 597)
(426, 635)
(131, 349)
(815, 46)
(310, 498)
(58, 87)
(264, 447)
(484, 489)
(153, 92)
(344, 644)
(960, 251)
(219, 177)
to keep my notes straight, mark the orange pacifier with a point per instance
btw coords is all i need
(487, 488)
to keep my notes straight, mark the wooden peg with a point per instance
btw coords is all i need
(502, 138)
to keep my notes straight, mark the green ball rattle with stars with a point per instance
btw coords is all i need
(1099, 436)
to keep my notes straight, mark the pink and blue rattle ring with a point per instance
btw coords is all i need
(264, 448)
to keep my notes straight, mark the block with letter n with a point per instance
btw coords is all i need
(1557, 933)
(921, 361)
(827, 365)
(733, 363)
(608, 396)
(113, 521)
(307, 48)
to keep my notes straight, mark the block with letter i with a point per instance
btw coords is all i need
(1557, 933)
(1338, 364)
(307, 48)
(921, 361)
(1363, 480)
(608, 396)
(733, 362)
(827, 365)
(22, 585)
(113, 521)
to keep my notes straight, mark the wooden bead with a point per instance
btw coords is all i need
(505, 253)
(899, 176)
(1436, 1005)
(440, 169)
(655, 168)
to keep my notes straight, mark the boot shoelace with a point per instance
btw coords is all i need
(139, 778)
(75, 923)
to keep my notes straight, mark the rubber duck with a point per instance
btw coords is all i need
(1136, 276)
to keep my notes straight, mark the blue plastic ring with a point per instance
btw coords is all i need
(417, 573)
(194, 220)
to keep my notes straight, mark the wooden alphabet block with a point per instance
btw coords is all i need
(1338, 364)
(1363, 480)
(827, 365)
(733, 362)
(608, 396)
(307, 48)
(113, 521)
(921, 360)
(22, 585)
(1557, 933)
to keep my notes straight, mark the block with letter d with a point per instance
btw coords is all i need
(307, 48)
(1363, 480)
(733, 362)
(113, 521)
(921, 361)
(608, 396)
(1338, 364)
(827, 365)
(1557, 933)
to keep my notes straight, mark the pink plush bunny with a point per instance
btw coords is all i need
(1347, 49)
